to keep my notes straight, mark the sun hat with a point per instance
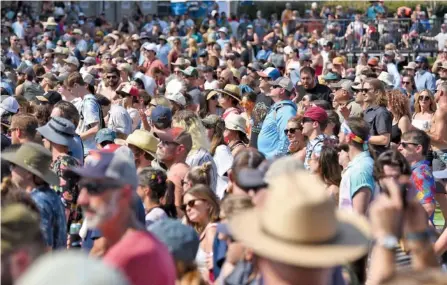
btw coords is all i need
(386, 78)
(177, 98)
(283, 82)
(150, 47)
(176, 135)
(236, 122)
(34, 158)
(223, 30)
(181, 61)
(58, 130)
(72, 60)
(160, 101)
(161, 114)
(77, 32)
(270, 72)
(9, 104)
(51, 97)
(182, 240)
(230, 89)
(212, 121)
(50, 22)
(119, 166)
(19, 226)
(344, 84)
(316, 113)
(105, 134)
(143, 140)
(299, 225)
(255, 66)
(190, 72)
(51, 269)
(443, 65)
(411, 65)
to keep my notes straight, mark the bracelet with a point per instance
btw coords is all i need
(419, 236)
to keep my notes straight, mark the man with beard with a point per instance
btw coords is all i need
(226, 77)
(310, 85)
(111, 81)
(30, 172)
(23, 128)
(108, 184)
(22, 241)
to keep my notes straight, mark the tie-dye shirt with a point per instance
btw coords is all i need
(424, 182)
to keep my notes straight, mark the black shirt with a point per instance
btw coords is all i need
(380, 122)
(322, 92)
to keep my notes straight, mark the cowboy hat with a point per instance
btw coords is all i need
(300, 226)
(33, 158)
(230, 90)
(236, 122)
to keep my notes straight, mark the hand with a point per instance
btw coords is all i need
(142, 114)
(386, 211)
(345, 111)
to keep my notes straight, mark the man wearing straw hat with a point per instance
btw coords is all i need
(30, 171)
(298, 234)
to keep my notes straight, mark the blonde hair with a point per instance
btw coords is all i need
(200, 174)
(417, 106)
(204, 192)
(190, 122)
(234, 204)
(193, 48)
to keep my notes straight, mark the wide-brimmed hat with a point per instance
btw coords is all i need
(50, 22)
(34, 158)
(299, 225)
(181, 61)
(386, 78)
(229, 89)
(236, 122)
(143, 140)
(58, 130)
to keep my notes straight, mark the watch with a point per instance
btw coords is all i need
(389, 242)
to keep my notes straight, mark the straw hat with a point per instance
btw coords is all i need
(50, 22)
(33, 158)
(236, 122)
(230, 90)
(143, 140)
(300, 226)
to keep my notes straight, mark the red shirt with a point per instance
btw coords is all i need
(143, 259)
(151, 65)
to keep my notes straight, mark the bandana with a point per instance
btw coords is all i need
(347, 131)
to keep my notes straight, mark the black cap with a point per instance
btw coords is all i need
(51, 97)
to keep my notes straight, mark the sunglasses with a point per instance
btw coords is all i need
(112, 77)
(406, 144)
(365, 90)
(424, 98)
(291, 130)
(98, 187)
(190, 204)
(166, 143)
(406, 82)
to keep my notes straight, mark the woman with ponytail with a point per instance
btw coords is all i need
(197, 175)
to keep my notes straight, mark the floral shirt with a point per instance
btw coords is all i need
(68, 189)
(424, 182)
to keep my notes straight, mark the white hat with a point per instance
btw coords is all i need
(223, 30)
(441, 174)
(386, 78)
(150, 46)
(288, 50)
(72, 60)
(236, 122)
(9, 104)
(177, 98)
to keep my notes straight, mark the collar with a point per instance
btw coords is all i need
(419, 163)
(362, 155)
(372, 108)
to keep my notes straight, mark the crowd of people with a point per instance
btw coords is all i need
(219, 151)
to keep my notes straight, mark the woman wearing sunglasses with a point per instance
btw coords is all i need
(201, 210)
(297, 141)
(424, 109)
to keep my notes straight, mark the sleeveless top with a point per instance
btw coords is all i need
(423, 125)
(201, 254)
(396, 133)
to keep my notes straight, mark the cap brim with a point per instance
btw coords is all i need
(41, 98)
(442, 174)
(350, 243)
(163, 136)
(250, 178)
(262, 74)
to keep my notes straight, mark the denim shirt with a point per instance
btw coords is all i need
(52, 216)
(272, 141)
(425, 80)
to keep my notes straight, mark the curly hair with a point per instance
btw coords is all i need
(398, 104)
(417, 106)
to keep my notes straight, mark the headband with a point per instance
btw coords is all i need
(347, 131)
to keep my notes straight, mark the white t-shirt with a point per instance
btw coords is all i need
(211, 85)
(154, 215)
(119, 120)
(19, 29)
(89, 111)
(223, 159)
(136, 120)
(441, 38)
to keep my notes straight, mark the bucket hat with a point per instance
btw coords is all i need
(143, 140)
(229, 89)
(181, 61)
(51, 22)
(236, 122)
(58, 130)
(34, 158)
(386, 78)
(177, 98)
(300, 226)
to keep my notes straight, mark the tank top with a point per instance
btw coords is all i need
(423, 125)
(201, 254)
(396, 133)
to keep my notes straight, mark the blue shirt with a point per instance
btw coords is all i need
(77, 149)
(272, 141)
(52, 216)
(263, 54)
(163, 52)
(425, 80)
(372, 11)
(15, 59)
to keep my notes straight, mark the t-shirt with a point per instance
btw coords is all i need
(321, 92)
(119, 120)
(442, 39)
(154, 215)
(90, 114)
(143, 259)
(423, 182)
(260, 111)
(358, 174)
(224, 160)
(380, 122)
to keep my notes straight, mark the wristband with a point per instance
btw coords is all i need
(418, 236)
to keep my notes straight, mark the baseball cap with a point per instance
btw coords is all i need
(150, 47)
(191, 72)
(177, 98)
(373, 61)
(270, 72)
(331, 76)
(344, 84)
(223, 30)
(19, 226)
(89, 60)
(51, 97)
(127, 89)
(389, 53)
(118, 166)
(9, 104)
(104, 135)
(283, 82)
(72, 60)
(421, 58)
(305, 57)
(182, 240)
(161, 114)
(50, 76)
(203, 53)
(255, 66)
(316, 113)
(176, 135)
